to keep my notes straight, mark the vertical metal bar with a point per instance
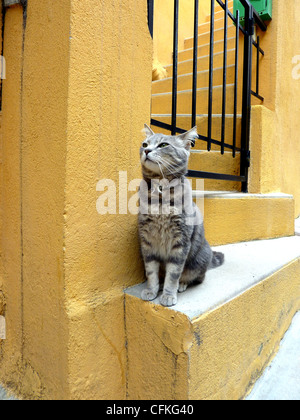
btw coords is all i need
(195, 63)
(175, 67)
(224, 79)
(236, 79)
(246, 110)
(257, 67)
(211, 70)
(151, 16)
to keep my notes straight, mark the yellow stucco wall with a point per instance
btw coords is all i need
(109, 101)
(163, 26)
(275, 142)
(287, 98)
(34, 145)
(11, 348)
(44, 147)
(73, 111)
(1, 174)
(1, 198)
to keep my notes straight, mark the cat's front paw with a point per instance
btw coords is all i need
(149, 294)
(168, 300)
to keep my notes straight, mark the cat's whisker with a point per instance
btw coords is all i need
(167, 162)
(172, 168)
(161, 170)
(172, 165)
(161, 165)
(168, 166)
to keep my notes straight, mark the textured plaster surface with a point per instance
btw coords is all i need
(76, 99)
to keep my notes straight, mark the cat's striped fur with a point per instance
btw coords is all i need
(171, 240)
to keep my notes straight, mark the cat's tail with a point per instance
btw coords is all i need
(217, 259)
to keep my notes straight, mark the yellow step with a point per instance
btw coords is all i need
(185, 67)
(162, 103)
(205, 27)
(185, 81)
(218, 8)
(247, 216)
(205, 38)
(220, 15)
(215, 162)
(219, 12)
(184, 122)
(203, 50)
(218, 339)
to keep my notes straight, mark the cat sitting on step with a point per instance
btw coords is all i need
(170, 224)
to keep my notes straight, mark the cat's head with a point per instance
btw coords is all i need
(166, 156)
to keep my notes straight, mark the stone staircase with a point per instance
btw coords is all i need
(216, 342)
(162, 100)
(231, 211)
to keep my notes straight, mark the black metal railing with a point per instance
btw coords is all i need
(247, 31)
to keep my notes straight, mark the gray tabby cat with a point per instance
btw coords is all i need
(168, 239)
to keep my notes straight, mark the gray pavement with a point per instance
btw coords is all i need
(4, 396)
(281, 380)
(297, 226)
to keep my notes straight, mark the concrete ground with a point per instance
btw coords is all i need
(281, 380)
(297, 226)
(4, 396)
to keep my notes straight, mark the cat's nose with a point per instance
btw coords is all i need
(147, 152)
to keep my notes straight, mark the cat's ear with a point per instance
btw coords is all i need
(147, 131)
(189, 138)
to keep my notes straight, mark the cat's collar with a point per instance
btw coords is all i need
(160, 185)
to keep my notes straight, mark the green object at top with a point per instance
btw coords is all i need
(263, 7)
